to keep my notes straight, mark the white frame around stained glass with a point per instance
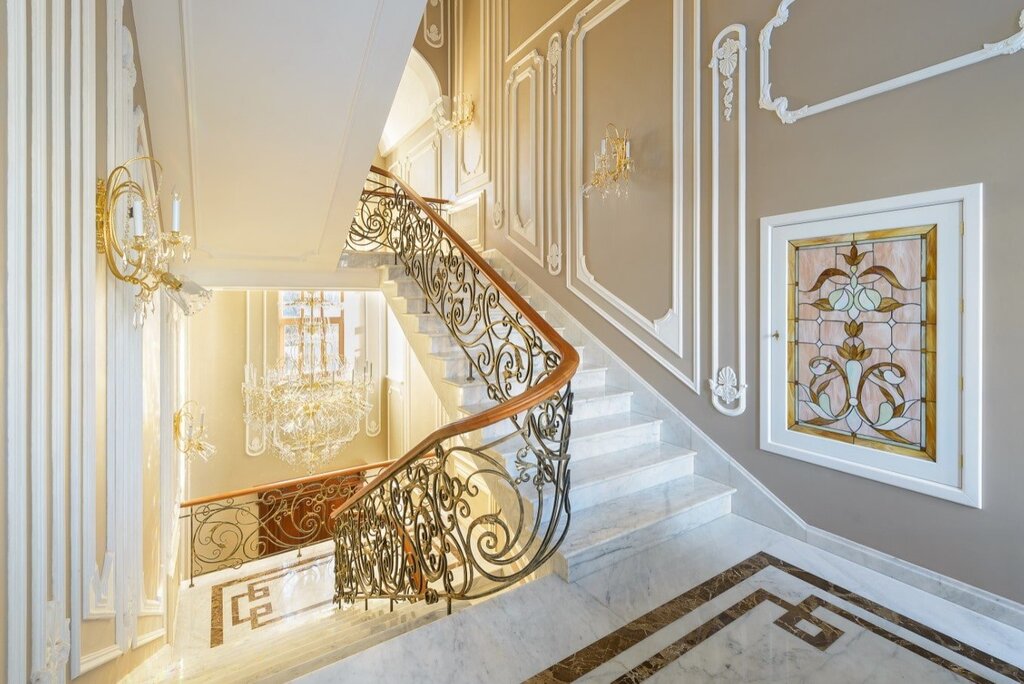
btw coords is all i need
(951, 468)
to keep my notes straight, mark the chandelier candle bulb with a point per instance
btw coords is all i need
(175, 213)
(138, 222)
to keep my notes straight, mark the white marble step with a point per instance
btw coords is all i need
(586, 377)
(624, 526)
(599, 479)
(591, 402)
(612, 433)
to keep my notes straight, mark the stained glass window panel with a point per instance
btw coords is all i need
(861, 343)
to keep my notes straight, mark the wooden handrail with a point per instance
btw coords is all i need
(383, 193)
(259, 489)
(532, 397)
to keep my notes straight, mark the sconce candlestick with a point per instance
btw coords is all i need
(613, 165)
(143, 258)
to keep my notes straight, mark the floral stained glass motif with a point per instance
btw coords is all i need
(861, 342)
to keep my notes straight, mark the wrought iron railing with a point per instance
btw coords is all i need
(484, 501)
(229, 529)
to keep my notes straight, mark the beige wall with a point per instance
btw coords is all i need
(217, 355)
(957, 129)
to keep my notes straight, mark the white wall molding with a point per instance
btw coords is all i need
(553, 200)
(728, 383)
(468, 217)
(39, 390)
(255, 440)
(16, 47)
(474, 171)
(527, 226)
(430, 148)
(663, 337)
(514, 52)
(780, 105)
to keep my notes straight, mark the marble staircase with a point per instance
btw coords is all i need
(634, 483)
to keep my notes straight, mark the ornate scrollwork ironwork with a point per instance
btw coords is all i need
(486, 503)
(227, 531)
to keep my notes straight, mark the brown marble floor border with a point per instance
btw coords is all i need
(605, 649)
(217, 594)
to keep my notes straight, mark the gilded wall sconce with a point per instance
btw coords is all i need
(455, 114)
(190, 432)
(613, 165)
(137, 250)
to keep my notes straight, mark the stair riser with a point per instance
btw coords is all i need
(593, 494)
(616, 441)
(589, 379)
(601, 556)
(603, 406)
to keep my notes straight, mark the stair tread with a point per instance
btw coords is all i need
(597, 525)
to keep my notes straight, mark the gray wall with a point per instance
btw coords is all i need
(960, 128)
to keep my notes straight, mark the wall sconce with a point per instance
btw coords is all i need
(613, 165)
(138, 252)
(454, 114)
(190, 435)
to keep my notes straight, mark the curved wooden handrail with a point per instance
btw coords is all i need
(270, 486)
(534, 396)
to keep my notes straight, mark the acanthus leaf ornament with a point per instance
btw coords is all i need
(727, 58)
(727, 386)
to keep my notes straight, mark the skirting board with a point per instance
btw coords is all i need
(768, 510)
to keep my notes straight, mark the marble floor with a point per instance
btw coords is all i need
(731, 601)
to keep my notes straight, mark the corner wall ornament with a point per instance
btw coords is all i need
(780, 105)
(58, 645)
(555, 257)
(137, 250)
(728, 57)
(433, 24)
(554, 56)
(498, 217)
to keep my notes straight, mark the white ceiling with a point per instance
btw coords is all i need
(265, 115)
(417, 92)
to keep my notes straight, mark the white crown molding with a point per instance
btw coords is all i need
(663, 338)
(780, 105)
(527, 233)
(728, 384)
(434, 23)
(514, 52)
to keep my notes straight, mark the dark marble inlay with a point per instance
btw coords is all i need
(605, 649)
(252, 593)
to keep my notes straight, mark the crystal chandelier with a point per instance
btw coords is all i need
(311, 405)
